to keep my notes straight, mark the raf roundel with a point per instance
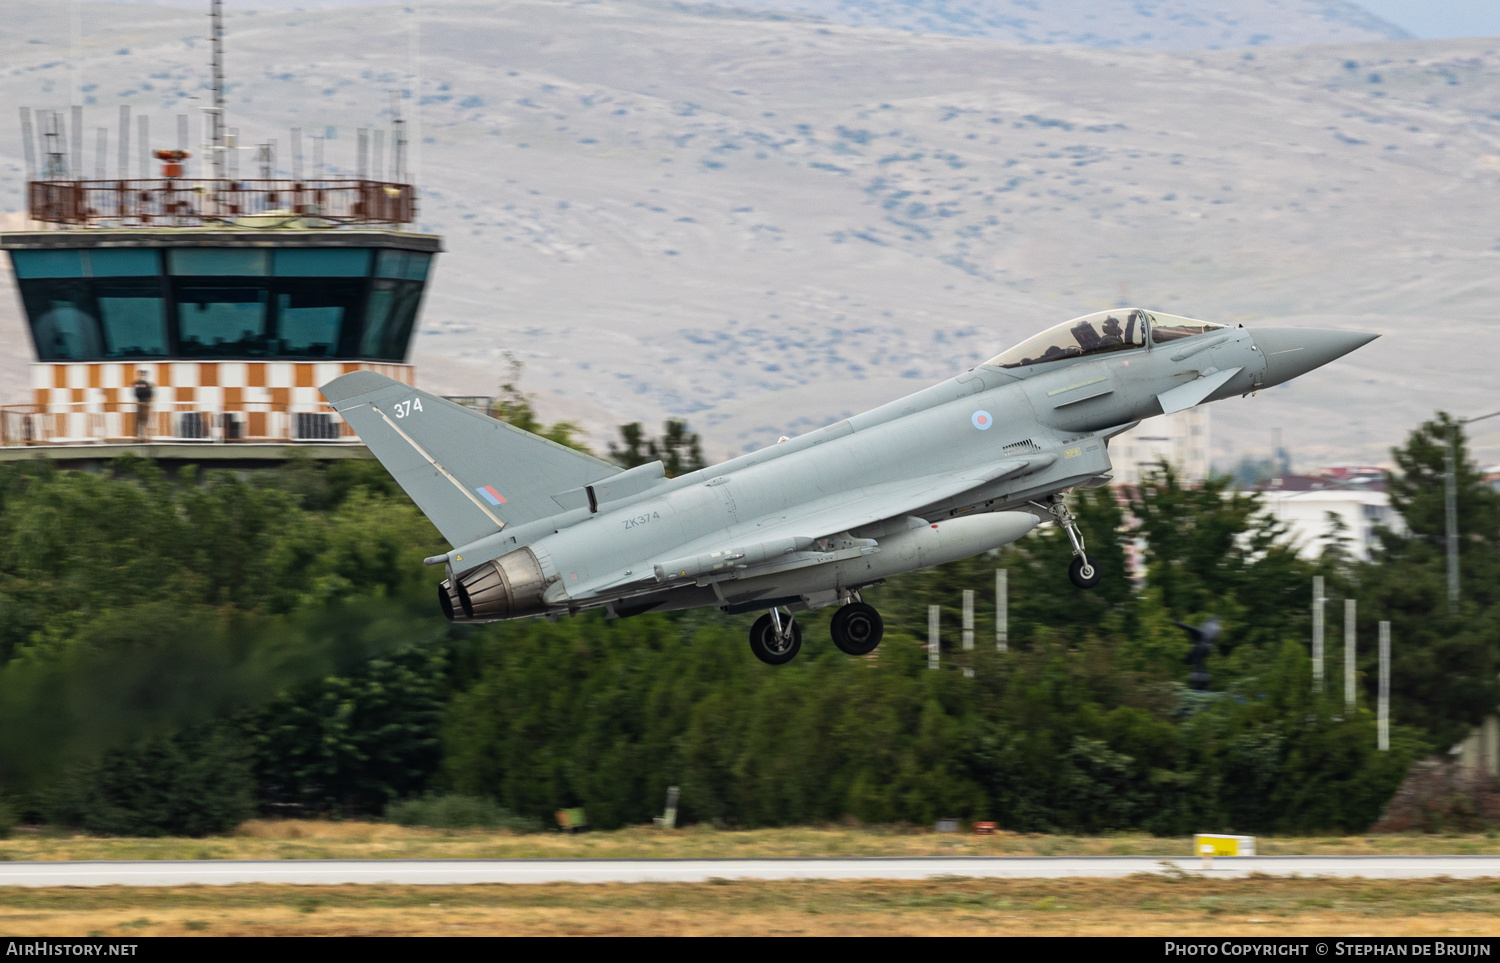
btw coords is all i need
(982, 420)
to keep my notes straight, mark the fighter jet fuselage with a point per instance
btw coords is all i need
(959, 468)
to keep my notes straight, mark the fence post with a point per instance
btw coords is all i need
(1383, 712)
(933, 616)
(1002, 610)
(1317, 630)
(1349, 605)
(968, 636)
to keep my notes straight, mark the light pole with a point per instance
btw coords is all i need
(1450, 502)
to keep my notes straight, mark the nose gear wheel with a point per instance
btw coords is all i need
(1083, 572)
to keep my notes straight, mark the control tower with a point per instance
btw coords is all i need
(231, 299)
(190, 315)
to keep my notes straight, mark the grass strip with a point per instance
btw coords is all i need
(317, 839)
(1148, 904)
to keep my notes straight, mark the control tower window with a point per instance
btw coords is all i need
(123, 263)
(221, 321)
(389, 319)
(73, 263)
(48, 264)
(95, 304)
(80, 320)
(132, 314)
(239, 262)
(403, 316)
(408, 265)
(64, 322)
(310, 315)
(394, 299)
(339, 262)
(377, 319)
(1091, 334)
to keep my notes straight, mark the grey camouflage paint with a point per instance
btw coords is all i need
(956, 469)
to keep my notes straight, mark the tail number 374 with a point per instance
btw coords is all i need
(404, 408)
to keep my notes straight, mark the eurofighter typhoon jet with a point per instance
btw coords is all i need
(954, 470)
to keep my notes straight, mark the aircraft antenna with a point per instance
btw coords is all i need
(216, 112)
(398, 140)
(124, 142)
(28, 139)
(75, 67)
(75, 147)
(57, 150)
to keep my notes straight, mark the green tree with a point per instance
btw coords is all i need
(1211, 550)
(679, 450)
(1417, 490)
(138, 604)
(353, 743)
(191, 782)
(170, 625)
(515, 407)
(1050, 737)
(1445, 665)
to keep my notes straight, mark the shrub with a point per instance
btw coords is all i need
(1438, 796)
(193, 782)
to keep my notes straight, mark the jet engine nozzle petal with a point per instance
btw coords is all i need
(1293, 352)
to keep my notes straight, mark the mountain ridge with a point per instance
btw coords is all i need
(765, 225)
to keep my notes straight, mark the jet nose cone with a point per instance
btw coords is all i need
(1291, 352)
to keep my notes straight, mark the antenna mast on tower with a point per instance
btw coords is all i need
(216, 113)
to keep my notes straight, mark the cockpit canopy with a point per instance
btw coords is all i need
(1098, 333)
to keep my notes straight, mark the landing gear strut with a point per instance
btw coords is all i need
(1083, 572)
(857, 628)
(775, 640)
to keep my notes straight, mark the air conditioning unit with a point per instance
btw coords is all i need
(315, 426)
(192, 424)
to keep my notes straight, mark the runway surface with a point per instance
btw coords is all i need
(460, 871)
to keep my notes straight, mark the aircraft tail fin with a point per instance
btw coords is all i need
(470, 474)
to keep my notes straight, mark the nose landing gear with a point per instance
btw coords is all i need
(1083, 572)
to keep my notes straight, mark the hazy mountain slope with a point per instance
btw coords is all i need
(764, 225)
(1153, 24)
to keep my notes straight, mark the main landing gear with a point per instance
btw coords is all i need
(1083, 571)
(775, 640)
(856, 628)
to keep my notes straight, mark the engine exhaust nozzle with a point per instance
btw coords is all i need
(510, 587)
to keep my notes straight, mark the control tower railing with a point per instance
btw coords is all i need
(29, 426)
(190, 202)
